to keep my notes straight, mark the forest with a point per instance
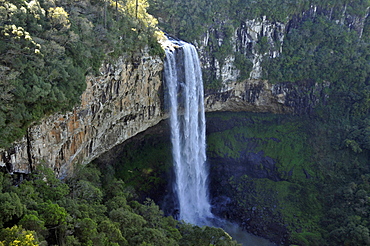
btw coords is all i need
(47, 48)
(91, 207)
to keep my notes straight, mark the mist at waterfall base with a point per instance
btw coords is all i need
(185, 98)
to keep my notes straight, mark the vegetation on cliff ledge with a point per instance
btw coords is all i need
(47, 48)
(219, 22)
(190, 19)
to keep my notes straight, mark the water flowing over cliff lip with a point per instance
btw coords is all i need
(169, 43)
(183, 77)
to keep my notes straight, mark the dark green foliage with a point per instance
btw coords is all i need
(33, 222)
(91, 212)
(322, 51)
(244, 65)
(345, 188)
(11, 208)
(195, 235)
(350, 224)
(190, 19)
(321, 190)
(144, 164)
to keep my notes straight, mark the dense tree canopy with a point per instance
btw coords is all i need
(86, 211)
(190, 19)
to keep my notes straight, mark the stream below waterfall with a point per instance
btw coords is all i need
(243, 237)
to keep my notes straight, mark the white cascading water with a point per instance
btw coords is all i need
(183, 78)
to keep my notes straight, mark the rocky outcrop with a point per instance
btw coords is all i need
(245, 40)
(123, 101)
(261, 96)
(249, 95)
(249, 37)
(258, 39)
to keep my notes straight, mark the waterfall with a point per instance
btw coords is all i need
(183, 79)
(184, 82)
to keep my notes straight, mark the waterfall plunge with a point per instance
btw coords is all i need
(185, 96)
(183, 78)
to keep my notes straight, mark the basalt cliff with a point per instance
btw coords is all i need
(124, 100)
(127, 98)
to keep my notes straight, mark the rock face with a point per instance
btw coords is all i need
(250, 95)
(123, 101)
(257, 39)
(246, 41)
(126, 100)
(260, 96)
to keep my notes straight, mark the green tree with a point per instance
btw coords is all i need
(86, 231)
(53, 215)
(195, 235)
(33, 222)
(129, 222)
(11, 207)
(112, 231)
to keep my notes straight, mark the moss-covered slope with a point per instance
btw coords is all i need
(262, 164)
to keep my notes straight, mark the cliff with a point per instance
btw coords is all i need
(257, 39)
(123, 101)
(127, 98)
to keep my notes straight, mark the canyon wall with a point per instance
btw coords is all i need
(126, 99)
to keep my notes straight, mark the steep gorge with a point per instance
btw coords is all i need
(268, 178)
